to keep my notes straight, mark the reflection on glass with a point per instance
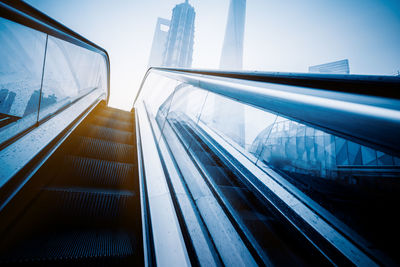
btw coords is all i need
(156, 90)
(21, 64)
(226, 117)
(358, 184)
(188, 100)
(185, 106)
(157, 95)
(70, 72)
(298, 148)
(239, 124)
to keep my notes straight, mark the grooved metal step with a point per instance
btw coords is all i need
(88, 172)
(116, 114)
(77, 203)
(105, 133)
(102, 149)
(110, 123)
(73, 245)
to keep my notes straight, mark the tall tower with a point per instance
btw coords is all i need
(232, 120)
(179, 46)
(232, 51)
(159, 42)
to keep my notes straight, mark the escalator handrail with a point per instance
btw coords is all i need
(373, 85)
(370, 117)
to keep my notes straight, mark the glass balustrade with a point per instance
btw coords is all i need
(339, 177)
(22, 53)
(41, 74)
(70, 72)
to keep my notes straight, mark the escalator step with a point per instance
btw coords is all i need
(71, 203)
(105, 133)
(117, 115)
(102, 149)
(111, 123)
(118, 110)
(79, 171)
(69, 246)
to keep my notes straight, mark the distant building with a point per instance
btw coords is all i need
(232, 50)
(3, 97)
(6, 100)
(336, 67)
(159, 42)
(179, 45)
(33, 102)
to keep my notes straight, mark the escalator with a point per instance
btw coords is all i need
(211, 168)
(82, 206)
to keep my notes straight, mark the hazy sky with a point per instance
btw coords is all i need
(280, 35)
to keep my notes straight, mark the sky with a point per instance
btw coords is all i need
(280, 35)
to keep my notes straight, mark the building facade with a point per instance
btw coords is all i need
(159, 41)
(232, 50)
(179, 45)
(336, 67)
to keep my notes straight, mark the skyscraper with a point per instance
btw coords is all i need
(336, 67)
(232, 50)
(232, 59)
(179, 46)
(159, 42)
(6, 100)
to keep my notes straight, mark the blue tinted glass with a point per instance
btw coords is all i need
(186, 106)
(336, 173)
(21, 64)
(341, 176)
(70, 72)
(157, 95)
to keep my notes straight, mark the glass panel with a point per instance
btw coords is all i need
(237, 123)
(157, 95)
(188, 100)
(70, 72)
(186, 106)
(226, 116)
(21, 64)
(358, 184)
(156, 90)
